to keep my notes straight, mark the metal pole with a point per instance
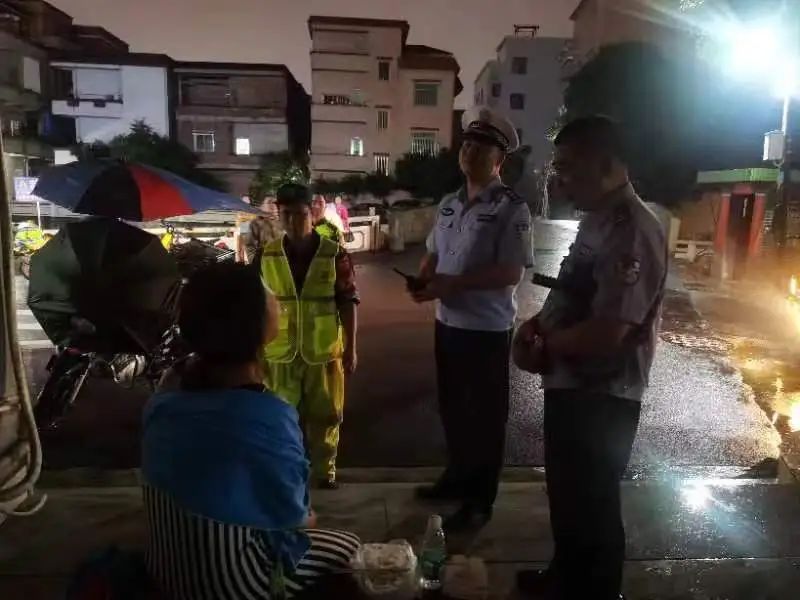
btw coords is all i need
(781, 217)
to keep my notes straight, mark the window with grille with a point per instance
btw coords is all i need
(426, 93)
(517, 101)
(519, 65)
(383, 70)
(356, 147)
(383, 119)
(424, 142)
(497, 89)
(203, 142)
(382, 163)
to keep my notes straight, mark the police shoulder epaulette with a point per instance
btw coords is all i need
(502, 191)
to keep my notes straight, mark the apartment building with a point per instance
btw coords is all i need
(23, 66)
(231, 114)
(105, 94)
(524, 83)
(376, 97)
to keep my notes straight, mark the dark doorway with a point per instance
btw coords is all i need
(741, 220)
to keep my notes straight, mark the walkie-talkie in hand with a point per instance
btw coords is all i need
(413, 284)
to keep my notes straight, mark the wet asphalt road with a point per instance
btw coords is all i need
(697, 412)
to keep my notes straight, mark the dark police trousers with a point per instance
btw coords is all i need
(588, 442)
(472, 376)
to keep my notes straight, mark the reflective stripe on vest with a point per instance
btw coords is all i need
(308, 325)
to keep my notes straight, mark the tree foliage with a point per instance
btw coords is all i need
(650, 96)
(144, 145)
(429, 176)
(679, 114)
(423, 175)
(277, 169)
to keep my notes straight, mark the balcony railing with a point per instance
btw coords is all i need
(89, 105)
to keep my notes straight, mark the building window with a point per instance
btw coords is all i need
(336, 99)
(357, 98)
(424, 142)
(356, 147)
(61, 84)
(242, 146)
(383, 70)
(203, 142)
(519, 65)
(383, 119)
(517, 101)
(382, 163)
(426, 93)
(519, 135)
(497, 89)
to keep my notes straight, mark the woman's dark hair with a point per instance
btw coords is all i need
(223, 313)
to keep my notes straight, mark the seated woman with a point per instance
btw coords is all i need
(225, 472)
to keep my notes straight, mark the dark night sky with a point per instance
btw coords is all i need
(275, 30)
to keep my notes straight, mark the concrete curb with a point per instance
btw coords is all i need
(782, 473)
(90, 477)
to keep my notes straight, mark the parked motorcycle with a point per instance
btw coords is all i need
(192, 253)
(105, 293)
(70, 367)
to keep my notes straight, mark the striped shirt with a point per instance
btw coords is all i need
(195, 558)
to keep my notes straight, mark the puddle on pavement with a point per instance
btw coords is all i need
(768, 366)
(773, 376)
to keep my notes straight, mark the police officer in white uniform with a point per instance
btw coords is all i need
(594, 342)
(478, 250)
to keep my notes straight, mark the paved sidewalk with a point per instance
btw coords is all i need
(733, 539)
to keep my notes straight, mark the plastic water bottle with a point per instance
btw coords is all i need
(433, 554)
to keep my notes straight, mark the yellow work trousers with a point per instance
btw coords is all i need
(317, 392)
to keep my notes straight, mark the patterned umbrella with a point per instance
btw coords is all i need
(129, 191)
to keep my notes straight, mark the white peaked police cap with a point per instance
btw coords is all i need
(483, 124)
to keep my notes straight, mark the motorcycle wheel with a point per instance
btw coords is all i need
(67, 374)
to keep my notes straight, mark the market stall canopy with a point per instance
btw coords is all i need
(129, 191)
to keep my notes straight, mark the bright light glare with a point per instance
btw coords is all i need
(696, 496)
(759, 52)
(794, 416)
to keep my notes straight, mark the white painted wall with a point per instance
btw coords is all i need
(145, 96)
(542, 87)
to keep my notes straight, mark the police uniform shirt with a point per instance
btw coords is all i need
(495, 230)
(616, 269)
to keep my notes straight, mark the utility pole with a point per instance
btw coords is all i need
(781, 217)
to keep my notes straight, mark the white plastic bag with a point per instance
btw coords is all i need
(387, 571)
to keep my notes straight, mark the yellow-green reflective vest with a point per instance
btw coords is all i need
(308, 325)
(328, 230)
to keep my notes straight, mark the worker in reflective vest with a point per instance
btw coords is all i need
(312, 278)
(322, 225)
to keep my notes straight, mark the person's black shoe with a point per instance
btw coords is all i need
(535, 583)
(328, 483)
(438, 491)
(467, 518)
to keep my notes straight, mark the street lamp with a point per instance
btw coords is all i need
(767, 53)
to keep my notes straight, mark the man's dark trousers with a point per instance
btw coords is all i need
(473, 385)
(588, 443)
